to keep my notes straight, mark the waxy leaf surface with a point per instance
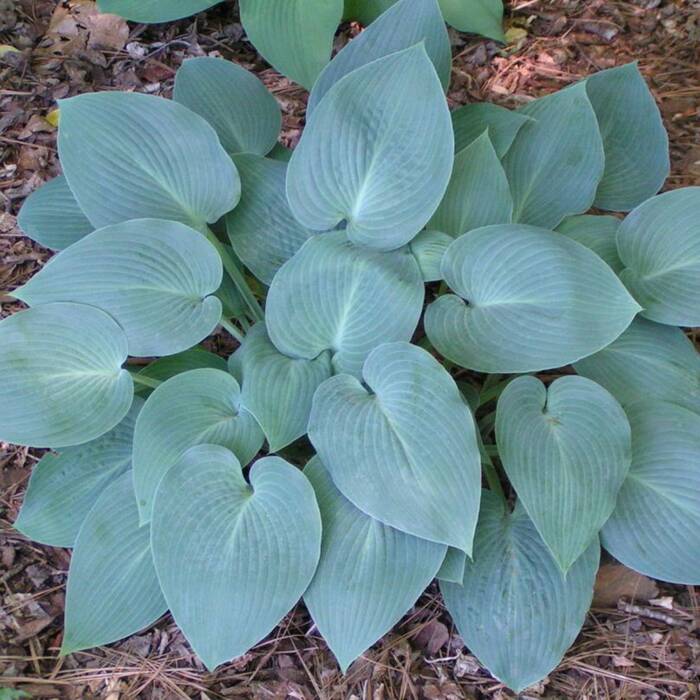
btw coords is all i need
(515, 609)
(556, 161)
(333, 295)
(154, 11)
(262, 229)
(402, 445)
(250, 549)
(389, 116)
(278, 389)
(648, 361)
(52, 217)
(528, 299)
(64, 487)
(470, 121)
(62, 377)
(406, 23)
(245, 116)
(193, 408)
(368, 576)
(596, 233)
(654, 527)
(129, 156)
(659, 245)
(112, 589)
(566, 450)
(155, 278)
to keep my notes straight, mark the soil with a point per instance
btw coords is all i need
(641, 639)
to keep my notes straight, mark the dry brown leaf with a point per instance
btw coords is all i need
(107, 32)
(616, 581)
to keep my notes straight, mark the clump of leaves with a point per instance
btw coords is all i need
(296, 36)
(388, 201)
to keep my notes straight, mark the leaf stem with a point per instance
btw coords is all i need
(492, 478)
(146, 381)
(236, 276)
(232, 329)
(493, 392)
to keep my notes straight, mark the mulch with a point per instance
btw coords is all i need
(641, 639)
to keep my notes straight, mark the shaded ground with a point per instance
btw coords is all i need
(628, 649)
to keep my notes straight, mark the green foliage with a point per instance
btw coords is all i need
(390, 392)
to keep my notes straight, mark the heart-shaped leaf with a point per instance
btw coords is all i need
(385, 117)
(244, 114)
(153, 277)
(659, 245)
(295, 36)
(278, 389)
(654, 527)
(529, 299)
(428, 247)
(402, 450)
(262, 229)
(368, 576)
(628, 118)
(648, 361)
(483, 17)
(556, 161)
(52, 217)
(64, 487)
(335, 296)
(404, 24)
(566, 449)
(62, 380)
(515, 609)
(250, 549)
(154, 157)
(196, 407)
(112, 588)
(470, 121)
(596, 233)
(478, 193)
(154, 11)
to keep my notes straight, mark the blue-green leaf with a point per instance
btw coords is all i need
(452, 568)
(659, 245)
(428, 247)
(470, 121)
(529, 299)
(386, 117)
(154, 158)
(64, 487)
(566, 449)
(634, 138)
(596, 233)
(243, 554)
(62, 380)
(648, 361)
(515, 609)
(335, 296)
(556, 162)
(402, 445)
(262, 229)
(483, 17)
(52, 217)
(654, 527)
(165, 367)
(478, 193)
(155, 278)
(404, 24)
(278, 389)
(295, 36)
(154, 11)
(112, 588)
(244, 114)
(196, 407)
(369, 574)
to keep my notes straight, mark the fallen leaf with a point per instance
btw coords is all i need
(109, 32)
(664, 602)
(616, 581)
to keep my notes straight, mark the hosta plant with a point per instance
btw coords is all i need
(296, 36)
(447, 367)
